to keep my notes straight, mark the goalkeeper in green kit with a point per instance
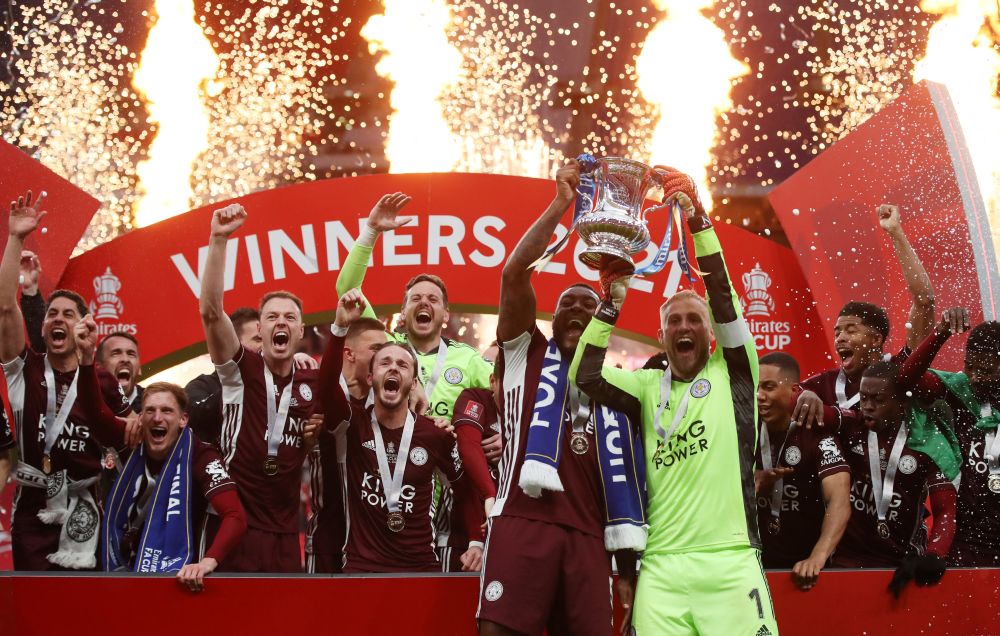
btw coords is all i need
(701, 572)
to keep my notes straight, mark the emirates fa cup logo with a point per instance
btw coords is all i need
(756, 301)
(106, 304)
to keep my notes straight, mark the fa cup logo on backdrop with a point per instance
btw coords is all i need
(756, 301)
(106, 304)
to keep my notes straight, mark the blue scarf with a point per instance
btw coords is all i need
(165, 539)
(619, 455)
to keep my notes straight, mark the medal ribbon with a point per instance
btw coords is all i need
(841, 388)
(778, 488)
(882, 489)
(580, 409)
(54, 421)
(277, 415)
(392, 482)
(436, 371)
(682, 408)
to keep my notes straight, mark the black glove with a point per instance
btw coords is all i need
(925, 570)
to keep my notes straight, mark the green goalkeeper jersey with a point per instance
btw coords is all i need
(462, 366)
(700, 481)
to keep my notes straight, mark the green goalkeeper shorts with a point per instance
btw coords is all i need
(711, 593)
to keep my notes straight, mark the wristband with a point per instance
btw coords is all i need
(368, 236)
(476, 544)
(337, 330)
(606, 312)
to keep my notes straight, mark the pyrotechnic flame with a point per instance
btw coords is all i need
(686, 69)
(175, 68)
(412, 35)
(962, 55)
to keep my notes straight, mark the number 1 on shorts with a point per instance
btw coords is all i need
(755, 595)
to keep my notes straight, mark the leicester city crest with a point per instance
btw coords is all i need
(701, 388)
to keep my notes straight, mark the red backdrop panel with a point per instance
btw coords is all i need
(297, 238)
(844, 603)
(911, 154)
(69, 210)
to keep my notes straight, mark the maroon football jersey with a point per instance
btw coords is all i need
(325, 531)
(6, 432)
(916, 476)
(824, 384)
(814, 454)
(581, 504)
(271, 501)
(475, 408)
(76, 449)
(978, 507)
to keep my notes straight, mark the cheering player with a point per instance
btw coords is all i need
(895, 464)
(325, 532)
(391, 456)
(145, 530)
(58, 456)
(445, 367)
(701, 571)
(802, 514)
(974, 397)
(546, 565)
(863, 328)
(267, 400)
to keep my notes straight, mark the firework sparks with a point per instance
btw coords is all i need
(689, 96)
(68, 103)
(173, 71)
(417, 56)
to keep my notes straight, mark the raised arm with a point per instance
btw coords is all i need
(105, 426)
(383, 218)
(919, 283)
(336, 407)
(220, 335)
(913, 375)
(517, 298)
(25, 215)
(32, 302)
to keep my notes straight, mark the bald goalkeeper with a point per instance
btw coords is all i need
(701, 572)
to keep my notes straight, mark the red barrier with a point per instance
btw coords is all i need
(844, 603)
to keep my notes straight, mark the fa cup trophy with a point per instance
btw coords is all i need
(610, 214)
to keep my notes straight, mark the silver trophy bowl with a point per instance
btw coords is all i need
(612, 221)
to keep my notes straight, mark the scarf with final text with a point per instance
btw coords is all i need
(163, 541)
(619, 451)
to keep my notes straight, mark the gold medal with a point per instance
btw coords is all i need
(271, 466)
(395, 521)
(46, 464)
(579, 443)
(993, 482)
(883, 530)
(774, 527)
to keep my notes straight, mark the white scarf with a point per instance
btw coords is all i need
(68, 504)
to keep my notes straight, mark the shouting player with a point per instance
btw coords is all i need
(896, 462)
(56, 516)
(701, 571)
(445, 367)
(802, 513)
(974, 397)
(267, 400)
(862, 330)
(326, 528)
(146, 529)
(546, 565)
(391, 456)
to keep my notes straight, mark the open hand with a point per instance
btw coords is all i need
(808, 410)
(25, 214)
(384, 216)
(764, 480)
(953, 321)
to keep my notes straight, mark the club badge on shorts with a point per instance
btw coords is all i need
(395, 521)
(578, 443)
